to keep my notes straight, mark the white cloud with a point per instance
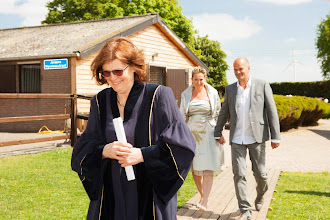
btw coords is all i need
(223, 27)
(282, 70)
(290, 40)
(282, 2)
(32, 11)
(311, 53)
(267, 59)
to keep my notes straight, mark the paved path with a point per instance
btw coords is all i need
(222, 202)
(306, 149)
(29, 148)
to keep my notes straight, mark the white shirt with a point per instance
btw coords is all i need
(243, 132)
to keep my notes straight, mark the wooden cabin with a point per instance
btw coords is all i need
(56, 59)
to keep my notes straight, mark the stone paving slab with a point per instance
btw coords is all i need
(15, 150)
(222, 204)
(306, 149)
(5, 136)
(30, 148)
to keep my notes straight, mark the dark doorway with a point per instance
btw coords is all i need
(177, 80)
(7, 79)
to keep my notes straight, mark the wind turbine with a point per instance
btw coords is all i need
(294, 62)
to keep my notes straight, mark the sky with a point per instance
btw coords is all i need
(274, 35)
(266, 32)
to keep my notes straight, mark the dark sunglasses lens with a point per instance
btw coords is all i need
(105, 73)
(118, 72)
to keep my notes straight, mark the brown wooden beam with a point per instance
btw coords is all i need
(83, 116)
(33, 96)
(87, 97)
(35, 140)
(33, 118)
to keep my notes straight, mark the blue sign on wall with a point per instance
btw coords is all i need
(55, 64)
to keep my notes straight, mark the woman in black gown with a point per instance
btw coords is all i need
(159, 144)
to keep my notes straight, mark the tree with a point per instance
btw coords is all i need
(78, 10)
(323, 46)
(169, 10)
(213, 57)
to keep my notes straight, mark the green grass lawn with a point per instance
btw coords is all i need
(43, 186)
(301, 196)
(187, 191)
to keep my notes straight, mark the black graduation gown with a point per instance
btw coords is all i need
(168, 151)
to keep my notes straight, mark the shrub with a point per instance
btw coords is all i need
(320, 89)
(309, 89)
(298, 111)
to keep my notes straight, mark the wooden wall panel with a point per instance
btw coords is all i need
(152, 41)
(85, 84)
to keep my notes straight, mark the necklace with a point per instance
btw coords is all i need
(120, 103)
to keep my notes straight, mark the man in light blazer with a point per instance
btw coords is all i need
(251, 109)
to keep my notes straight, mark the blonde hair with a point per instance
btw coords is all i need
(198, 69)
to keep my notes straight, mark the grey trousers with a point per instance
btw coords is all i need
(257, 155)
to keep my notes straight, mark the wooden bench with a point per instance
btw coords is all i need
(222, 202)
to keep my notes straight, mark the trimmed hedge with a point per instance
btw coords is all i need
(298, 111)
(309, 89)
(320, 89)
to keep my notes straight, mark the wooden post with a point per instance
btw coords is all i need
(73, 136)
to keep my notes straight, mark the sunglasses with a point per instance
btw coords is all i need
(107, 73)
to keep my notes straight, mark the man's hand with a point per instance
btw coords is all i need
(221, 140)
(275, 145)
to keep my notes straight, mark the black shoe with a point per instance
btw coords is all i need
(259, 203)
(244, 216)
